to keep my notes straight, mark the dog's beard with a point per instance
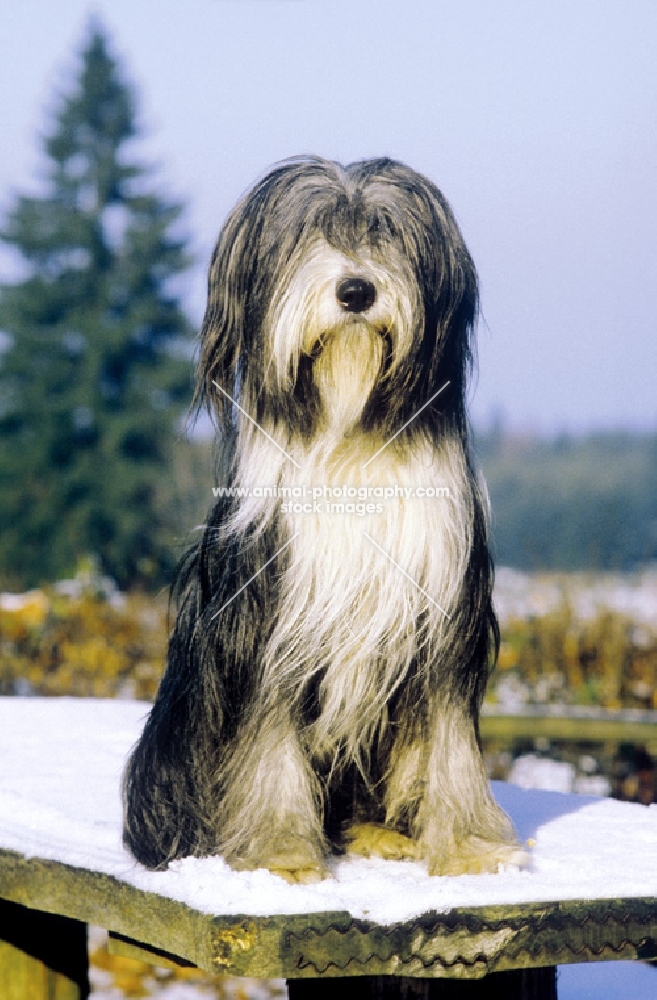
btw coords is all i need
(345, 371)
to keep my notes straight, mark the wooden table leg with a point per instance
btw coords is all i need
(42, 956)
(520, 984)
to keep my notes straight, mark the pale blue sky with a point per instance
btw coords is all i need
(538, 121)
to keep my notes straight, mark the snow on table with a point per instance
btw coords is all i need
(60, 776)
(60, 772)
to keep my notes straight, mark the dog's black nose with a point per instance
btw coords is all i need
(356, 295)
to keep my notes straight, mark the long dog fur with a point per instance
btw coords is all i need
(327, 666)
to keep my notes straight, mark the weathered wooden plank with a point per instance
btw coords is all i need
(119, 944)
(93, 897)
(43, 956)
(461, 943)
(601, 728)
(473, 943)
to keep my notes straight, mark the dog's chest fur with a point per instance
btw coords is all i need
(366, 596)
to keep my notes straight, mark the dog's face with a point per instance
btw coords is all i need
(341, 322)
(340, 297)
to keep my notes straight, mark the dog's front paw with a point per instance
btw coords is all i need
(295, 861)
(372, 840)
(297, 871)
(475, 856)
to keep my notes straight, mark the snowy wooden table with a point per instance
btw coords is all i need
(590, 895)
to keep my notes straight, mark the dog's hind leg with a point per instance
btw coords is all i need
(270, 814)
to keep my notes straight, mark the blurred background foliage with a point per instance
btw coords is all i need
(95, 370)
(558, 658)
(572, 503)
(84, 640)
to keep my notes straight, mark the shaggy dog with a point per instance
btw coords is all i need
(335, 627)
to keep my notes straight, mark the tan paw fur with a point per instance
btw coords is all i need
(371, 840)
(291, 860)
(474, 856)
(298, 873)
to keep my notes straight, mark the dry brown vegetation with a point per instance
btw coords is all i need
(86, 645)
(608, 660)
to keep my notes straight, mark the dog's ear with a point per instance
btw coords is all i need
(253, 248)
(451, 301)
(417, 218)
(224, 336)
(454, 309)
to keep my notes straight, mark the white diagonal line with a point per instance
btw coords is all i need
(417, 413)
(256, 424)
(404, 573)
(238, 592)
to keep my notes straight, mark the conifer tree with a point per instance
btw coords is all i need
(95, 352)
